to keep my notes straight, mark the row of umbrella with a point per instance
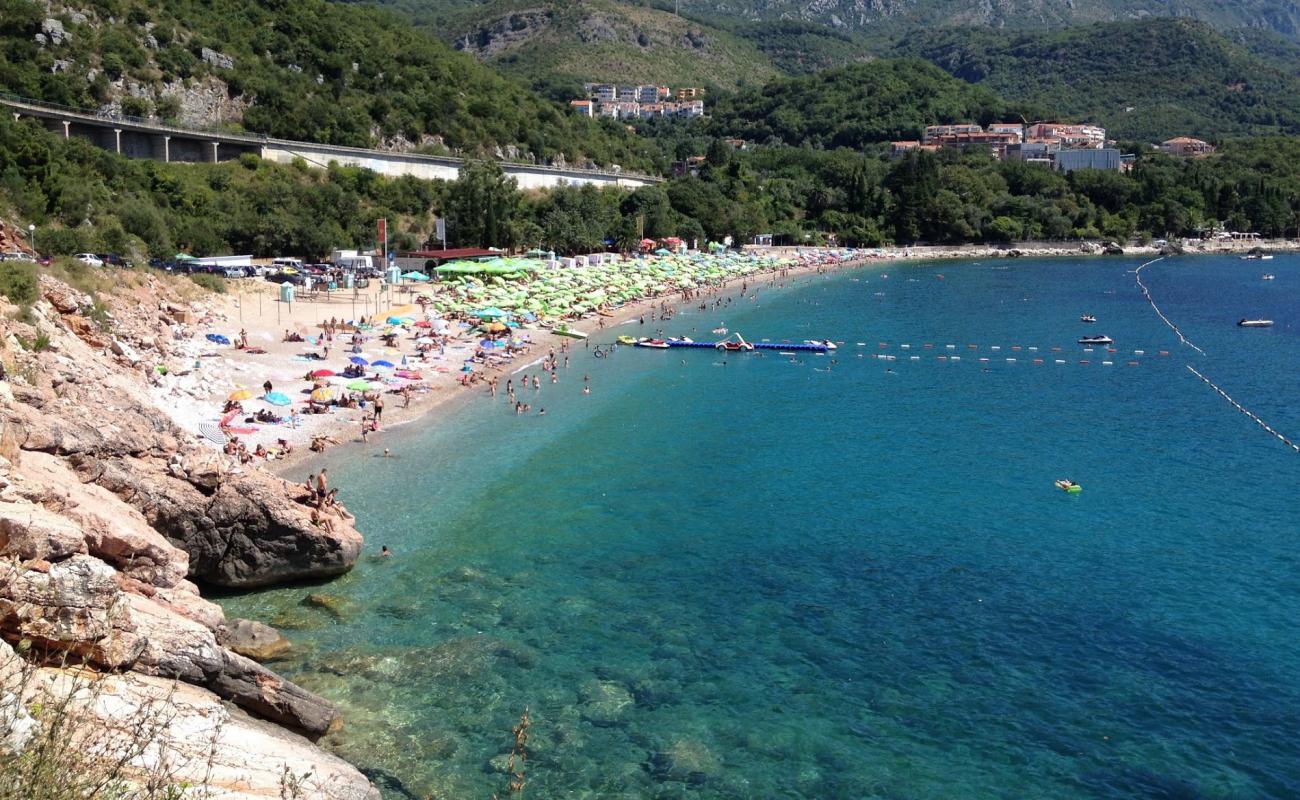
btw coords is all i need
(555, 292)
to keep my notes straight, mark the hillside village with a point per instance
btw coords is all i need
(639, 102)
(1061, 146)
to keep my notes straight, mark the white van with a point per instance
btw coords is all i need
(286, 263)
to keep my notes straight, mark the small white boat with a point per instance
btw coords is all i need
(1087, 318)
(1257, 257)
(1096, 340)
(654, 344)
(1268, 276)
(564, 330)
(827, 343)
(1255, 323)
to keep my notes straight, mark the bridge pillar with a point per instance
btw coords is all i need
(66, 126)
(117, 140)
(167, 149)
(215, 145)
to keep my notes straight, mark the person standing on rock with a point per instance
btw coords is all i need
(322, 483)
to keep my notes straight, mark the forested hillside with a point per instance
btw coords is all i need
(299, 69)
(85, 199)
(567, 42)
(1149, 80)
(855, 106)
(895, 17)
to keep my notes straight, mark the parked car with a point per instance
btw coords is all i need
(89, 259)
(234, 272)
(297, 279)
(114, 260)
(17, 255)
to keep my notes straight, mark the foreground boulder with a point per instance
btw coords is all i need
(203, 742)
(240, 527)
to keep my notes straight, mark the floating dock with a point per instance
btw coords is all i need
(805, 347)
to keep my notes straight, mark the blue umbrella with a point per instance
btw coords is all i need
(359, 361)
(278, 399)
(381, 363)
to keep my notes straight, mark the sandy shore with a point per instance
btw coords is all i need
(203, 374)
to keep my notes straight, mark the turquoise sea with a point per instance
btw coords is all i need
(841, 576)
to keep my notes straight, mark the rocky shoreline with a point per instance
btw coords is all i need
(110, 514)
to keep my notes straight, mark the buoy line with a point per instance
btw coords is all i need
(1147, 294)
(1244, 410)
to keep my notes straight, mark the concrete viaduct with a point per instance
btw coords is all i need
(137, 138)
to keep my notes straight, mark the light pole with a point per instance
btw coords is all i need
(31, 230)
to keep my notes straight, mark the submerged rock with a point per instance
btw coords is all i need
(253, 639)
(686, 760)
(335, 606)
(604, 702)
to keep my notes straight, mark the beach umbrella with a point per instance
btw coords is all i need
(323, 373)
(278, 399)
(496, 327)
(239, 394)
(424, 323)
(491, 313)
(358, 386)
(323, 395)
(382, 364)
(359, 361)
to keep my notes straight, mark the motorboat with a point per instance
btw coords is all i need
(1068, 486)
(827, 343)
(680, 340)
(1257, 257)
(1096, 340)
(1268, 276)
(1255, 323)
(626, 340)
(1087, 318)
(654, 344)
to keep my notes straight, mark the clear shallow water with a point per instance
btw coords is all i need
(765, 580)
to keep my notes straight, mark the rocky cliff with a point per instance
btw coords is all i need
(108, 512)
